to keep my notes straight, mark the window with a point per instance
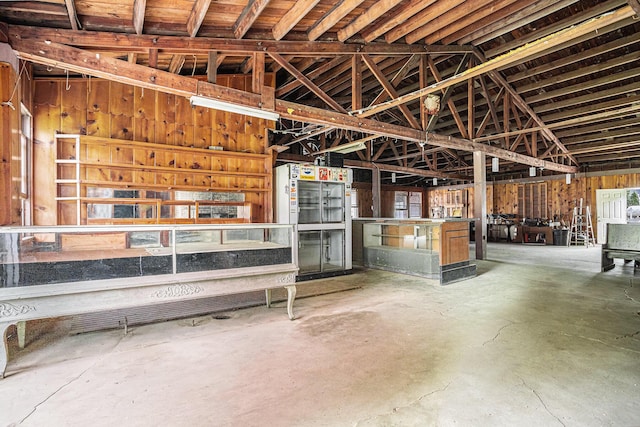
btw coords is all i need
(400, 207)
(25, 165)
(532, 200)
(408, 204)
(355, 208)
(415, 205)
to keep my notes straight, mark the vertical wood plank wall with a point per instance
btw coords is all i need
(7, 121)
(502, 198)
(10, 159)
(110, 109)
(387, 199)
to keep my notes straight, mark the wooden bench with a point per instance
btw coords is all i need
(78, 282)
(623, 242)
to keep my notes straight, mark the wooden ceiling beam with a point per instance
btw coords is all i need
(619, 62)
(212, 67)
(388, 87)
(486, 10)
(249, 14)
(377, 10)
(73, 15)
(292, 17)
(586, 85)
(330, 71)
(176, 64)
(399, 16)
(188, 45)
(322, 69)
(624, 100)
(446, 95)
(456, 13)
(332, 17)
(625, 90)
(405, 170)
(77, 60)
(566, 60)
(197, 15)
(517, 20)
(572, 20)
(139, 9)
(424, 17)
(466, 145)
(409, 64)
(506, 59)
(635, 5)
(604, 134)
(257, 77)
(307, 82)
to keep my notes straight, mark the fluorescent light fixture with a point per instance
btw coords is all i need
(495, 164)
(435, 181)
(567, 178)
(202, 101)
(532, 171)
(393, 177)
(344, 148)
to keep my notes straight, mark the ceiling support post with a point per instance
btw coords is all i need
(375, 191)
(480, 202)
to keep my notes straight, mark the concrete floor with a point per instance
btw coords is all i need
(539, 338)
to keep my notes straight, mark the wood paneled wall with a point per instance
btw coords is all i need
(387, 199)
(14, 90)
(110, 109)
(502, 198)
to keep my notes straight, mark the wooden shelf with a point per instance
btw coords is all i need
(104, 163)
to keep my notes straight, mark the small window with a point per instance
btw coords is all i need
(415, 205)
(401, 205)
(355, 207)
(408, 204)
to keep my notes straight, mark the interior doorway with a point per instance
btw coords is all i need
(611, 208)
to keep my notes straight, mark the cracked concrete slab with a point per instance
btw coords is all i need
(539, 337)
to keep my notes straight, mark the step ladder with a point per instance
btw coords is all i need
(581, 231)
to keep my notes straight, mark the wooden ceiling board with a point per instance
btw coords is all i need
(566, 95)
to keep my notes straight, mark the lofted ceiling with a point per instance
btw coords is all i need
(550, 84)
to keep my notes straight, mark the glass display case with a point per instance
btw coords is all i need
(436, 249)
(41, 256)
(68, 270)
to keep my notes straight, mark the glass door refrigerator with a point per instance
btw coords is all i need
(317, 201)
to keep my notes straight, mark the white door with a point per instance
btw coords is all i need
(611, 208)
